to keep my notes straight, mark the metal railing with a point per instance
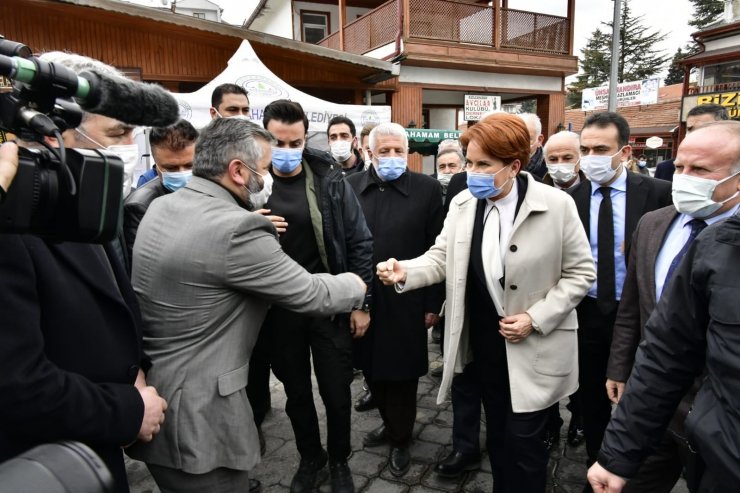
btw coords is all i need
(721, 87)
(457, 22)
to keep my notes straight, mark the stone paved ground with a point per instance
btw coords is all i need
(433, 440)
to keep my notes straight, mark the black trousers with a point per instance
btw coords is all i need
(466, 402)
(594, 344)
(293, 340)
(514, 440)
(396, 402)
(258, 384)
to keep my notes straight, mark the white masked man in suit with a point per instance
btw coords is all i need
(610, 204)
(206, 268)
(661, 239)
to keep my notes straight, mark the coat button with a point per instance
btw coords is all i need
(512, 248)
(513, 287)
(133, 371)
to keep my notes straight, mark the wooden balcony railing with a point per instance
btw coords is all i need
(722, 87)
(457, 22)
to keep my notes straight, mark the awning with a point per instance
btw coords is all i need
(711, 55)
(426, 140)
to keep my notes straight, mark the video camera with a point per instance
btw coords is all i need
(68, 194)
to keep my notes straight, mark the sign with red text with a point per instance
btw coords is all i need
(477, 106)
(634, 93)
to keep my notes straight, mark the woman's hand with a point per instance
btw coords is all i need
(391, 272)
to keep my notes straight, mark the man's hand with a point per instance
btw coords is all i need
(430, 320)
(8, 164)
(391, 272)
(614, 390)
(516, 328)
(602, 481)
(154, 408)
(279, 222)
(359, 321)
(140, 382)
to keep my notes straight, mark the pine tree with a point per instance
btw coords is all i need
(675, 72)
(706, 12)
(638, 58)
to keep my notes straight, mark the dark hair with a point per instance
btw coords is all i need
(218, 93)
(607, 118)
(338, 120)
(286, 111)
(719, 112)
(175, 137)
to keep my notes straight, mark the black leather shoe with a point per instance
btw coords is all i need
(552, 438)
(365, 403)
(576, 436)
(254, 486)
(376, 437)
(341, 477)
(456, 463)
(399, 461)
(311, 473)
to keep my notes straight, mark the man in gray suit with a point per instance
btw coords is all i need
(206, 268)
(661, 238)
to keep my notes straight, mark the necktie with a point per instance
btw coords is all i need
(606, 292)
(697, 226)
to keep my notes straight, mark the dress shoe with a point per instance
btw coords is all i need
(552, 438)
(456, 463)
(341, 477)
(576, 436)
(399, 461)
(376, 437)
(311, 473)
(254, 486)
(365, 403)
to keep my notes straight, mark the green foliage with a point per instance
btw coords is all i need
(706, 12)
(675, 72)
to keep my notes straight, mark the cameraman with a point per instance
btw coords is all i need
(70, 337)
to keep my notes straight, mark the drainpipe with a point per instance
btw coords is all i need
(368, 97)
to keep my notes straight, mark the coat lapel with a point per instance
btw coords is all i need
(637, 194)
(655, 242)
(582, 197)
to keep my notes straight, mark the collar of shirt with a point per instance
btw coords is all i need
(507, 213)
(684, 219)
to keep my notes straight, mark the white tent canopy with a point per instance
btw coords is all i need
(245, 69)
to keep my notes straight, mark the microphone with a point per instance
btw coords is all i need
(129, 101)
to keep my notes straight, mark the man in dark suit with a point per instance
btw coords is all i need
(696, 117)
(173, 149)
(70, 338)
(660, 240)
(610, 204)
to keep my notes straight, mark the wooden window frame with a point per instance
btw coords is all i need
(315, 12)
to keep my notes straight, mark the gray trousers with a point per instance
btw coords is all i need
(219, 480)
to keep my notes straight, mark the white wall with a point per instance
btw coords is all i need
(718, 44)
(442, 118)
(534, 83)
(276, 19)
(333, 10)
(188, 7)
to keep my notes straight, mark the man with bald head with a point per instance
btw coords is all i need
(692, 330)
(562, 158)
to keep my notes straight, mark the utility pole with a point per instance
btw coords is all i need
(614, 72)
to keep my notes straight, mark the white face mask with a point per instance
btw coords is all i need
(444, 179)
(367, 159)
(341, 150)
(562, 172)
(693, 196)
(260, 198)
(599, 169)
(129, 154)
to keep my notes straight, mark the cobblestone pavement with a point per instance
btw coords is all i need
(432, 441)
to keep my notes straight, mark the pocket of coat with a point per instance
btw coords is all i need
(557, 353)
(235, 380)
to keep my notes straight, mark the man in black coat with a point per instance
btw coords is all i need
(693, 329)
(610, 204)
(70, 338)
(404, 213)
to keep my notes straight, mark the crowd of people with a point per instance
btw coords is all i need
(548, 269)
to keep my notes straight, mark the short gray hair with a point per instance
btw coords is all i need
(387, 128)
(452, 150)
(226, 139)
(562, 135)
(531, 117)
(78, 64)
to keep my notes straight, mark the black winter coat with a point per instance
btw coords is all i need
(405, 217)
(696, 322)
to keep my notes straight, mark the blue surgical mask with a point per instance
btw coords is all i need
(483, 185)
(286, 160)
(175, 180)
(390, 168)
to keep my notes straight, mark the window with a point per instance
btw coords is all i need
(199, 15)
(721, 73)
(314, 26)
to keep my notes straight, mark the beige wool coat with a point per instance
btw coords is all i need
(547, 275)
